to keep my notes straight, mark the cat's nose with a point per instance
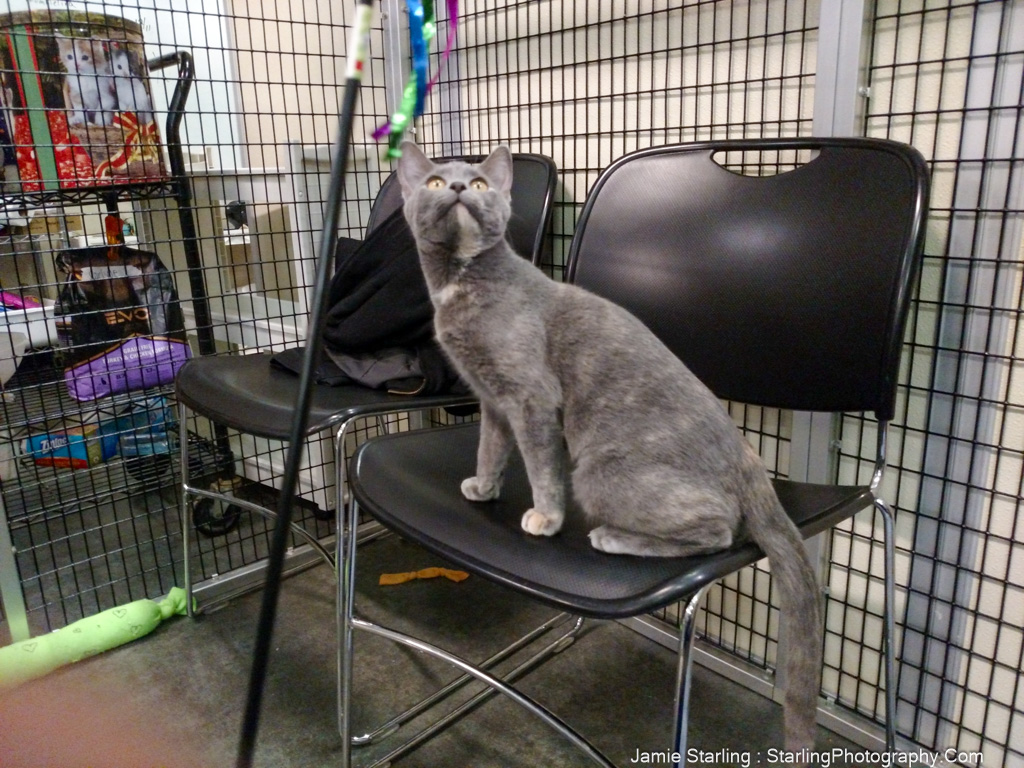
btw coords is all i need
(457, 186)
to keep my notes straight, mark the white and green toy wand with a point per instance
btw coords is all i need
(38, 656)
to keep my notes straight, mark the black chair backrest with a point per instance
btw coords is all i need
(533, 191)
(787, 290)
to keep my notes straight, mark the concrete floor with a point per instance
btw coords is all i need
(175, 697)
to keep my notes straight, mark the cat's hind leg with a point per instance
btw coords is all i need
(496, 442)
(653, 513)
(617, 541)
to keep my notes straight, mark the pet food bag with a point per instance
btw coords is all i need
(125, 327)
(75, 103)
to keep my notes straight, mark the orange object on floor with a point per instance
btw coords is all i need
(387, 579)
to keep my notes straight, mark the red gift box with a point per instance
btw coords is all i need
(74, 91)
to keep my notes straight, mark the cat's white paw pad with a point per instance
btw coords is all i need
(475, 489)
(539, 524)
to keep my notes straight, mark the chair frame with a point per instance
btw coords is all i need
(343, 421)
(349, 622)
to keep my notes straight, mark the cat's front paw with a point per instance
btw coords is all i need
(479, 489)
(540, 524)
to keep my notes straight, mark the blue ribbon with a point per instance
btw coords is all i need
(419, 53)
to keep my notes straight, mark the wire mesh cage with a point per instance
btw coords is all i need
(86, 452)
(584, 83)
(233, 221)
(946, 77)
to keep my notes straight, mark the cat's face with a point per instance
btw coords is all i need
(459, 206)
(80, 54)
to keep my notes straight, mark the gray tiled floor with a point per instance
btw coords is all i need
(175, 697)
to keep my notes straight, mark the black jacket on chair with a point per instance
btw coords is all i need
(378, 297)
(379, 306)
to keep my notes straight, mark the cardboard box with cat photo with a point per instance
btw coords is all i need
(75, 100)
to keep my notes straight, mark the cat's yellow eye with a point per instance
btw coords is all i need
(479, 185)
(435, 182)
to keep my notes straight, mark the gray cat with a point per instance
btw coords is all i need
(657, 464)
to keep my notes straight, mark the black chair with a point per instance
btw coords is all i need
(246, 393)
(787, 290)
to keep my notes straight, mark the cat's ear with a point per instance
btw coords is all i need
(413, 166)
(498, 168)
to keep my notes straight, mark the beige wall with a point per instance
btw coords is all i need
(290, 59)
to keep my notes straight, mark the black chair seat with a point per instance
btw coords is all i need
(563, 570)
(247, 393)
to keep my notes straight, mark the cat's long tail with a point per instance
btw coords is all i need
(770, 527)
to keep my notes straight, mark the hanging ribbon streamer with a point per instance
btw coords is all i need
(422, 29)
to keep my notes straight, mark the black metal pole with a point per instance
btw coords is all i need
(189, 234)
(310, 361)
(183, 194)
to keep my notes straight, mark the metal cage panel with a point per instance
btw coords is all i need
(586, 82)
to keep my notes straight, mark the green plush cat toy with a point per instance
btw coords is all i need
(38, 656)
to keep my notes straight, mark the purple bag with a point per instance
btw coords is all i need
(127, 331)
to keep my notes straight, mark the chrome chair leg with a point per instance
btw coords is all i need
(186, 518)
(345, 563)
(519, 698)
(560, 644)
(297, 530)
(687, 633)
(889, 623)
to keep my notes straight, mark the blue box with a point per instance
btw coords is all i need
(73, 448)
